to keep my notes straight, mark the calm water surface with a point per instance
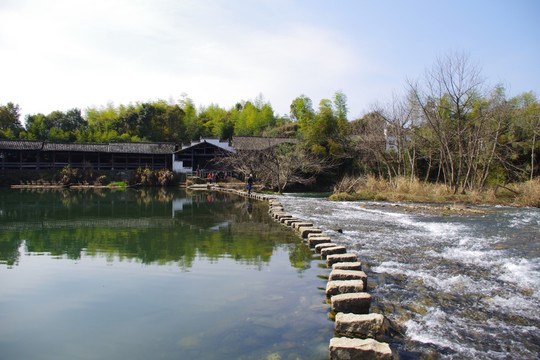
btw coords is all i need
(155, 275)
(454, 287)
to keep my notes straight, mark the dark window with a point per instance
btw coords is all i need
(12, 156)
(77, 158)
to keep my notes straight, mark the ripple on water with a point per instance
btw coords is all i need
(523, 272)
(461, 286)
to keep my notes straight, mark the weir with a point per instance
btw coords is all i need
(346, 289)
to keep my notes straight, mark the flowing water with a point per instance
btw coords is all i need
(155, 275)
(453, 286)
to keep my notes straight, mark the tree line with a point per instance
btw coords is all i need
(448, 126)
(156, 121)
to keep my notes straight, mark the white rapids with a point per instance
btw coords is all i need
(456, 287)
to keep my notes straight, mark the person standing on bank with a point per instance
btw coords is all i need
(249, 184)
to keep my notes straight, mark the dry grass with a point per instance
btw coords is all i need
(412, 190)
(348, 185)
(529, 193)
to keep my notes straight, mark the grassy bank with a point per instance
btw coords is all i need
(407, 190)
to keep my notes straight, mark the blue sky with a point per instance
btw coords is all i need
(61, 54)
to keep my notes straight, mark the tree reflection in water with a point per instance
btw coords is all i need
(129, 225)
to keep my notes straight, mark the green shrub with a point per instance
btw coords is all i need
(164, 177)
(118, 184)
(148, 177)
(69, 175)
(380, 197)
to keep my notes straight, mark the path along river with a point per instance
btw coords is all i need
(454, 286)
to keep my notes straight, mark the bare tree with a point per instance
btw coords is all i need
(278, 166)
(448, 96)
(531, 123)
(535, 128)
(400, 118)
(369, 143)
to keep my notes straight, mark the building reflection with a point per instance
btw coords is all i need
(149, 225)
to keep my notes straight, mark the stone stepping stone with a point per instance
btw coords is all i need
(277, 212)
(299, 224)
(305, 230)
(317, 235)
(332, 251)
(342, 348)
(339, 274)
(280, 216)
(357, 265)
(283, 218)
(360, 326)
(356, 303)
(323, 245)
(336, 287)
(313, 241)
(290, 221)
(336, 258)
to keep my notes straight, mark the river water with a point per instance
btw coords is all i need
(452, 286)
(147, 274)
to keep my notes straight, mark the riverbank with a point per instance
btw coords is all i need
(431, 209)
(405, 190)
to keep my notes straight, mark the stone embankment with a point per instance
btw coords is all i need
(346, 290)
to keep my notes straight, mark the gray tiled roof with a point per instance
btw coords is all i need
(75, 147)
(133, 148)
(20, 144)
(142, 148)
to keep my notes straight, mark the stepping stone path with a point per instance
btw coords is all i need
(355, 328)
